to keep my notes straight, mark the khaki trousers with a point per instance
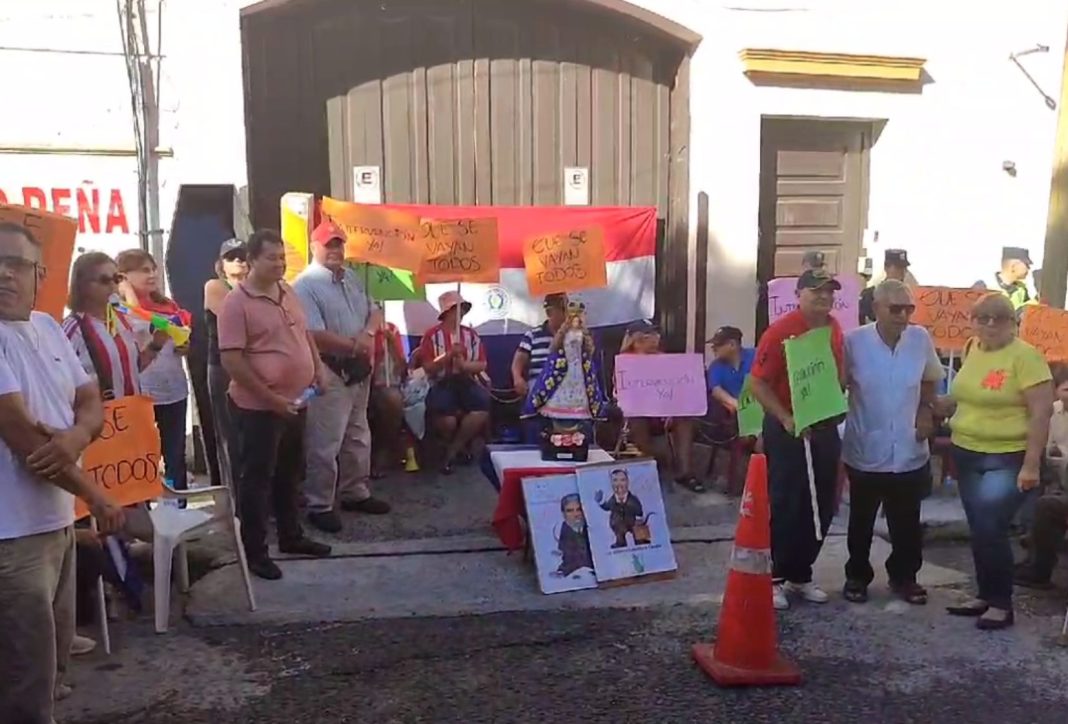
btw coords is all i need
(337, 445)
(36, 623)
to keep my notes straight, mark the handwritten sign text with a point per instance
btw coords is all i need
(661, 385)
(565, 262)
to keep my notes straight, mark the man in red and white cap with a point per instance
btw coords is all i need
(454, 359)
(338, 435)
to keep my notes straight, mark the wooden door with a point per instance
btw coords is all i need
(813, 193)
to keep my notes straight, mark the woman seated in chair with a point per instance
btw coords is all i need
(389, 372)
(644, 338)
(458, 403)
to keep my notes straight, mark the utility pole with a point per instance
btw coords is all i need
(1055, 264)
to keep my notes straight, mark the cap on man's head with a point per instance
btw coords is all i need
(231, 245)
(1016, 253)
(726, 334)
(557, 300)
(817, 279)
(896, 257)
(643, 326)
(814, 259)
(326, 232)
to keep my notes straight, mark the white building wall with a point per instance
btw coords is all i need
(937, 184)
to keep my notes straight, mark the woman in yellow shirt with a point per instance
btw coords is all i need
(1000, 401)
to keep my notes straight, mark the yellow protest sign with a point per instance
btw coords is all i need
(385, 237)
(947, 314)
(56, 233)
(296, 231)
(1046, 329)
(124, 460)
(565, 262)
(460, 250)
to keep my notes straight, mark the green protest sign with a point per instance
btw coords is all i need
(385, 284)
(750, 413)
(815, 391)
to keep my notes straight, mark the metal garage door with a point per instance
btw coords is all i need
(471, 102)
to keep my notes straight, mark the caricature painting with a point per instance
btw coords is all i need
(559, 533)
(627, 522)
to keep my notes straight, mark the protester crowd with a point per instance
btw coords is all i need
(313, 398)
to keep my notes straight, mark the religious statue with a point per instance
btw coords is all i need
(568, 392)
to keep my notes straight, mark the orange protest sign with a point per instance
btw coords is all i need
(460, 250)
(124, 460)
(947, 314)
(565, 262)
(1046, 329)
(56, 234)
(386, 237)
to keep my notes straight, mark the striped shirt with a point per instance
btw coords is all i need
(118, 354)
(438, 340)
(536, 343)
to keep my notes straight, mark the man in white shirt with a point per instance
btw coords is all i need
(50, 410)
(892, 370)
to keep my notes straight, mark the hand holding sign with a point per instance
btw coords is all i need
(460, 250)
(661, 385)
(124, 460)
(567, 261)
(386, 237)
(815, 389)
(56, 235)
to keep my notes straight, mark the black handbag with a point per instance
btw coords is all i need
(350, 370)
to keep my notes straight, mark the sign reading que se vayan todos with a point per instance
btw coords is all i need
(661, 385)
(56, 234)
(125, 459)
(1046, 329)
(947, 314)
(386, 237)
(565, 262)
(460, 250)
(815, 387)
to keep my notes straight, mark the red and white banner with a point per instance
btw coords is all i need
(508, 307)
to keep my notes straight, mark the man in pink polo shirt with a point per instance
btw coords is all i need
(271, 359)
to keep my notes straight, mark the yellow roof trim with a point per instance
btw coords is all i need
(763, 62)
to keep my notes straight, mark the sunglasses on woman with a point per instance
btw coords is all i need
(234, 256)
(106, 279)
(985, 320)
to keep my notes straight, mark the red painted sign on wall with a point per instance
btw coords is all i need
(98, 210)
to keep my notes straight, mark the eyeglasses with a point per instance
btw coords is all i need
(907, 309)
(985, 320)
(234, 256)
(17, 264)
(109, 279)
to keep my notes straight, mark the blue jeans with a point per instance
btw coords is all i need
(170, 419)
(991, 499)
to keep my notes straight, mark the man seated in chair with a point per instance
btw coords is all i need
(644, 338)
(726, 377)
(458, 403)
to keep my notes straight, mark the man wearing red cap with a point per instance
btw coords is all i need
(338, 436)
(453, 358)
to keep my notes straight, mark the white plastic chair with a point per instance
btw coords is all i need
(173, 527)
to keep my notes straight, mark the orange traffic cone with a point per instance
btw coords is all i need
(746, 650)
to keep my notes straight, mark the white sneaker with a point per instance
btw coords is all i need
(81, 645)
(778, 597)
(808, 591)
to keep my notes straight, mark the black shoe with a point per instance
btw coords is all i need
(975, 607)
(855, 592)
(265, 568)
(371, 506)
(988, 623)
(328, 522)
(305, 547)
